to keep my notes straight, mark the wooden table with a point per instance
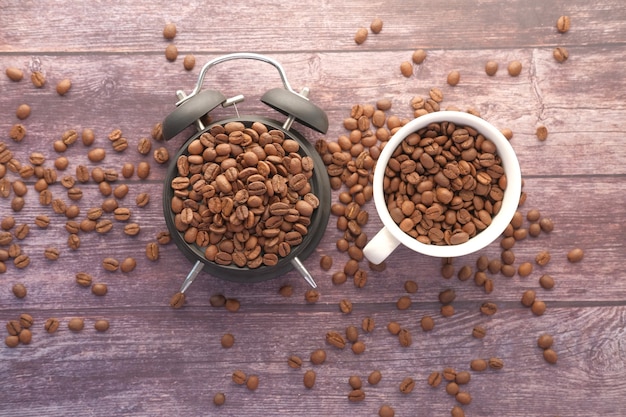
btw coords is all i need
(155, 360)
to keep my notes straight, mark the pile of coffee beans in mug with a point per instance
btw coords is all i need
(243, 194)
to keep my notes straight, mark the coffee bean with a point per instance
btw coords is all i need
(14, 74)
(447, 296)
(418, 56)
(393, 328)
(525, 269)
(110, 264)
(406, 69)
(447, 310)
(546, 282)
(25, 336)
(478, 365)
(452, 388)
(463, 397)
(491, 67)
(335, 339)
(541, 133)
(479, 332)
(177, 300)
(189, 62)
(434, 379)
(550, 356)
(360, 36)
(563, 24)
(427, 323)
(227, 341)
(410, 286)
(239, 377)
(152, 251)
(463, 377)
(488, 308)
(17, 132)
(403, 303)
(575, 255)
(404, 337)
(294, 361)
(64, 86)
(358, 347)
(356, 395)
(496, 363)
(12, 341)
(374, 377)
(96, 154)
(219, 399)
(253, 382)
(542, 258)
(26, 320)
(76, 324)
(171, 52)
(367, 324)
(545, 341)
(23, 111)
(453, 78)
(38, 79)
(326, 262)
(376, 26)
(99, 289)
(538, 308)
(311, 296)
(407, 385)
(142, 199)
(514, 68)
(345, 306)
(318, 357)
(19, 290)
(14, 327)
(101, 325)
(309, 379)
(232, 305)
(84, 279)
(51, 325)
(528, 298)
(143, 170)
(560, 54)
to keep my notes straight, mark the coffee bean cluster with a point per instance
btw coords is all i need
(243, 195)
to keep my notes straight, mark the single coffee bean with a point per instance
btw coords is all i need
(232, 305)
(286, 290)
(171, 52)
(368, 324)
(294, 361)
(356, 395)
(427, 323)
(488, 308)
(447, 296)
(19, 290)
(449, 374)
(14, 327)
(101, 325)
(452, 388)
(491, 67)
(311, 296)
(253, 382)
(355, 382)
(352, 334)
(51, 325)
(84, 279)
(142, 199)
(525, 269)
(560, 54)
(169, 31)
(376, 26)
(462, 377)
(550, 356)
(545, 341)
(463, 397)
(575, 255)
(326, 262)
(318, 357)
(26, 320)
(453, 77)
(514, 68)
(360, 36)
(358, 347)
(479, 332)
(96, 154)
(217, 300)
(542, 258)
(227, 341)
(546, 282)
(219, 399)
(152, 251)
(457, 411)
(14, 74)
(434, 379)
(12, 341)
(407, 385)
(563, 24)
(418, 56)
(239, 377)
(345, 306)
(23, 111)
(177, 300)
(403, 303)
(76, 324)
(406, 69)
(110, 264)
(541, 133)
(64, 86)
(410, 286)
(309, 379)
(25, 336)
(528, 298)
(38, 79)
(404, 337)
(99, 289)
(496, 363)
(335, 339)
(189, 62)
(143, 170)
(374, 377)
(128, 265)
(538, 308)
(478, 365)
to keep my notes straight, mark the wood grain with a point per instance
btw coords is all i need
(157, 361)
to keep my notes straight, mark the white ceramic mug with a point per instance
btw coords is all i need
(390, 236)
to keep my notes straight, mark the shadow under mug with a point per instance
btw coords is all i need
(391, 236)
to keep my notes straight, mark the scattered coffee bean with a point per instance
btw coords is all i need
(542, 258)
(189, 62)
(294, 361)
(546, 282)
(427, 323)
(434, 379)
(318, 357)
(560, 54)
(406, 69)
(367, 324)
(463, 397)
(100, 289)
(219, 399)
(110, 264)
(457, 411)
(360, 36)
(14, 74)
(311, 296)
(152, 251)
(491, 67)
(25, 336)
(418, 56)
(376, 26)
(356, 395)
(38, 79)
(23, 111)
(514, 68)
(403, 303)
(496, 363)
(232, 305)
(453, 77)
(169, 31)
(76, 324)
(309, 379)
(101, 325)
(64, 86)
(478, 365)
(575, 255)
(550, 356)
(374, 377)
(171, 52)
(563, 24)
(84, 279)
(19, 290)
(326, 262)
(488, 308)
(253, 382)
(51, 325)
(239, 377)
(479, 332)
(358, 347)
(335, 339)
(12, 341)
(452, 388)
(542, 133)
(404, 337)
(407, 385)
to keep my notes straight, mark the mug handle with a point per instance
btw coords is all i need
(380, 246)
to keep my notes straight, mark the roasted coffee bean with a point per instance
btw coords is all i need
(410, 286)
(488, 308)
(26, 320)
(189, 62)
(144, 146)
(360, 36)
(25, 336)
(17, 132)
(560, 54)
(76, 324)
(356, 395)
(142, 199)
(454, 77)
(368, 325)
(563, 24)
(294, 361)
(538, 308)
(406, 69)
(452, 388)
(14, 327)
(335, 339)
(152, 251)
(358, 347)
(575, 255)
(51, 325)
(227, 341)
(239, 377)
(447, 296)
(546, 282)
(404, 337)
(38, 79)
(73, 241)
(23, 111)
(352, 334)
(355, 382)
(309, 379)
(491, 67)
(217, 300)
(403, 303)
(463, 377)
(427, 323)
(463, 397)
(219, 399)
(19, 290)
(171, 52)
(550, 356)
(143, 170)
(528, 298)
(542, 258)
(100, 289)
(14, 74)
(496, 363)
(345, 306)
(434, 379)
(253, 382)
(177, 300)
(457, 411)
(407, 385)
(479, 332)
(84, 279)
(545, 341)
(101, 325)
(478, 365)
(326, 262)
(374, 377)
(318, 357)
(514, 68)
(393, 327)
(132, 229)
(312, 296)
(110, 264)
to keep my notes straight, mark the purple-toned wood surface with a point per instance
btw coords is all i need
(156, 361)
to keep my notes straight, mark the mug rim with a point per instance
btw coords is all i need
(510, 200)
